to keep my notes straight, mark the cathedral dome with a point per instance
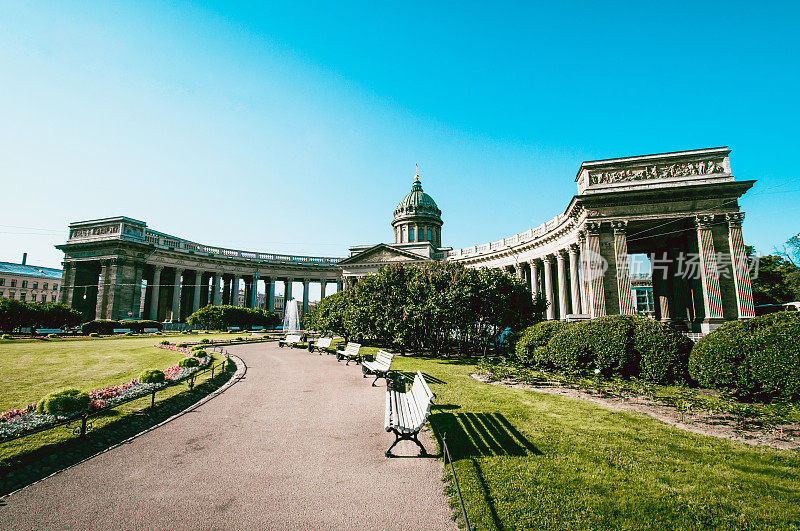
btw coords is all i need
(417, 203)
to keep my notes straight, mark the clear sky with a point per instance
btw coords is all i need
(295, 126)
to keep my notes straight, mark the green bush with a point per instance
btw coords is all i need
(151, 376)
(755, 359)
(165, 342)
(183, 345)
(100, 326)
(94, 334)
(128, 333)
(618, 345)
(198, 347)
(64, 402)
(138, 325)
(52, 336)
(238, 338)
(189, 362)
(8, 336)
(205, 340)
(200, 354)
(534, 337)
(107, 326)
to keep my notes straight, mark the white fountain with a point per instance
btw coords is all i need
(291, 316)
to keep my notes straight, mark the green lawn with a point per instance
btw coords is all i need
(29, 369)
(533, 460)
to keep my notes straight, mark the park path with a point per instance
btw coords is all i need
(296, 444)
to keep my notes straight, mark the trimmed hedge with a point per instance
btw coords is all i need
(64, 402)
(755, 359)
(189, 362)
(151, 376)
(107, 326)
(534, 337)
(617, 345)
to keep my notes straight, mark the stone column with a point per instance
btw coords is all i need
(235, 291)
(155, 292)
(709, 273)
(198, 280)
(584, 283)
(741, 273)
(270, 293)
(595, 269)
(661, 275)
(136, 304)
(322, 285)
(575, 289)
(536, 287)
(176, 296)
(548, 287)
(287, 293)
(563, 308)
(67, 292)
(217, 296)
(623, 271)
(102, 290)
(305, 295)
(254, 291)
(518, 271)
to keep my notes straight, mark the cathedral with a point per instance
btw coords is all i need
(417, 227)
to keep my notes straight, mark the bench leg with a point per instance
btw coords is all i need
(406, 437)
(377, 375)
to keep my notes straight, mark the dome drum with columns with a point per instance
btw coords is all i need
(417, 227)
(417, 218)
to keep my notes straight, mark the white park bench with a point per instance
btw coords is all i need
(406, 413)
(350, 352)
(121, 330)
(380, 367)
(322, 344)
(292, 340)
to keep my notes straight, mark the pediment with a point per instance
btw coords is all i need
(382, 254)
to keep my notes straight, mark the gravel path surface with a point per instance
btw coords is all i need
(297, 444)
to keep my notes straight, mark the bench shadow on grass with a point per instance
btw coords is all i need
(409, 377)
(28, 467)
(473, 436)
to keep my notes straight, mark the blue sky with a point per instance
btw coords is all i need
(295, 127)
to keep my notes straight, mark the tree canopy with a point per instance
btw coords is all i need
(437, 307)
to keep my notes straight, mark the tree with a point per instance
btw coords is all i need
(778, 279)
(434, 307)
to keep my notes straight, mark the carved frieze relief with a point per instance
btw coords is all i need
(657, 171)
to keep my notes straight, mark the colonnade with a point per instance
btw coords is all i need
(699, 275)
(173, 293)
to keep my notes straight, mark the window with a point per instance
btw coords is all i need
(13, 282)
(33, 298)
(24, 283)
(44, 286)
(2, 282)
(52, 298)
(2, 293)
(22, 297)
(55, 287)
(11, 294)
(430, 235)
(411, 235)
(35, 285)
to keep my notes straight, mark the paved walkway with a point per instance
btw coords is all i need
(297, 444)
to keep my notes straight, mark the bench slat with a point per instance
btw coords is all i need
(387, 419)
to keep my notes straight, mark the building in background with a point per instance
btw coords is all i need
(642, 291)
(29, 283)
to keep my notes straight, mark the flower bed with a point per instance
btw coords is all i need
(17, 422)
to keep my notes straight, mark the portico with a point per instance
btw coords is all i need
(681, 209)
